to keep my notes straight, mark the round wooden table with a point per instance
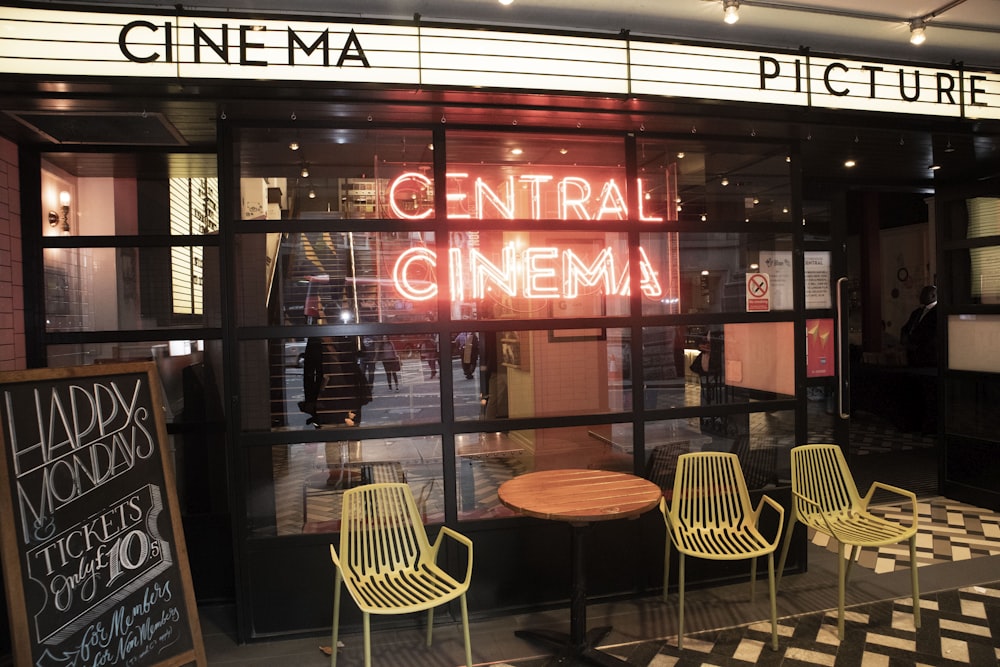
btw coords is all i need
(578, 497)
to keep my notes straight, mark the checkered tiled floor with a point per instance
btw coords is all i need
(949, 531)
(956, 629)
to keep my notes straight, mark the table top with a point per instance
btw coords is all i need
(579, 495)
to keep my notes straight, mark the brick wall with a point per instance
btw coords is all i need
(11, 276)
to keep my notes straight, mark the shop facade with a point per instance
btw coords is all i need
(368, 268)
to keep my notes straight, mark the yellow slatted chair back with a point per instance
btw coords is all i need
(710, 496)
(820, 472)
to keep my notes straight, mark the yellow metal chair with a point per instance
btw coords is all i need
(710, 517)
(825, 498)
(389, 566)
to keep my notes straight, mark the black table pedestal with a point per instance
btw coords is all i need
(578, 647)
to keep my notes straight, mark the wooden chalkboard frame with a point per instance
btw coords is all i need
(148, 617)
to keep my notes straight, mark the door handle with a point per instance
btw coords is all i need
(843, 381)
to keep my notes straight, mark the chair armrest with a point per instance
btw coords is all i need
(334, 557)
(776, 506)
(665, 511)
(461, 539)
(819, 510)
(903, 493)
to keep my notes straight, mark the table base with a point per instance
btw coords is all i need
(574, 655)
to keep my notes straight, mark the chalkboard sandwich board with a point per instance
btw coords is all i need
(94, 559)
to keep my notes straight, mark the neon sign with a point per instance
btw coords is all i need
(574, 198)
(537, 273)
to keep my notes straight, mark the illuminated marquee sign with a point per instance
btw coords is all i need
(60, 42)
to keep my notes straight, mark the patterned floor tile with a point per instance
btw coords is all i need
(949, 531)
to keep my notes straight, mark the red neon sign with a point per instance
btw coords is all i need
(575, 198)
(535, 273)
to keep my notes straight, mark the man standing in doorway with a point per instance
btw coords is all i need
(919, 334)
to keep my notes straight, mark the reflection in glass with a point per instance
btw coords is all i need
(709, 271)
(334, 174)
(118, 289)
(697, 365)
(487, 460)
(142, 199)
(338, 382)
(541, 373)
(189, 371)
(299, 488)
(337, 277)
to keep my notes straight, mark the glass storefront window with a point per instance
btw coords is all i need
(335, 174)
(534, 250)
(691, 181)
(117, 289)
(535, 275)
(190, 371)
(706, 272)
(299, 488)
(487, 460)
(140, 196)
(540, 373)
(337, 278)
(338, 382)
(523, 176)
(705, 366)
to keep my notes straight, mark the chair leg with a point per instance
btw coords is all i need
(666, 569)
(753, 579)
(855, 552)
(465, 630)
(366, 619)
(841, 587)
(430, 625)
(784, 551)
(772, 590)
(680, 610)
(914, 581)
(336, 620)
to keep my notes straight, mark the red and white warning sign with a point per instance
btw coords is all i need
(758, 293)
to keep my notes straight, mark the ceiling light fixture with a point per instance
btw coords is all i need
(917, 34)
(724, 181)
(849, 163)
(731, 11)
(305, 171)
(293, 146)
(506, 2)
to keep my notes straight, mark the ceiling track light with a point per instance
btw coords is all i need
(731, 11)
(917, 34)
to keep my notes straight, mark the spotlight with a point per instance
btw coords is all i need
(917, 36)
(731, 11)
